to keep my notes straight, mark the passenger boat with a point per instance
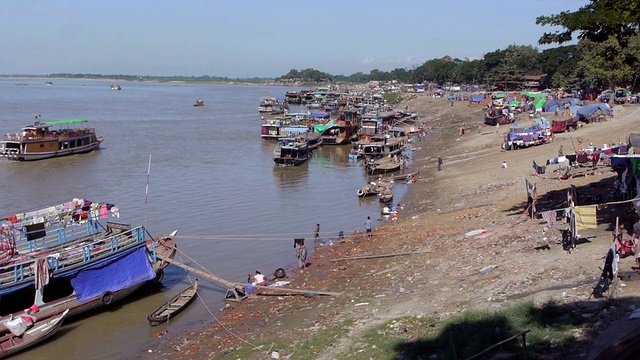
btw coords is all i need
(313, 139)
(291, 151)
(293, 97)
(175, 305)
(11, 343)
(42, 141)
(63, 257)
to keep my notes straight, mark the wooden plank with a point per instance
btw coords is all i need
(382, 255)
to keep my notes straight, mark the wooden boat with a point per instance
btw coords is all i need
(172, 307)
(291, 151)
(79, 263)
(382, 166)
(404, 177)
(375, 187)
(41, 330)
(199, 102)
(40, 141)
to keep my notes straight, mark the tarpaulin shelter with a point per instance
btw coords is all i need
(571, 101)
(477, 99)
(538, 104)
(585, 112)
(552, 105)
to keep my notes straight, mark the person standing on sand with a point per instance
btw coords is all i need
(368, 225)
(316, 233)
(439, 163)
(301, 253)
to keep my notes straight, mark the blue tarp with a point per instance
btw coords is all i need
(585, 112)
(574, 109)
(571, 101)
(320, 115)
(113, 275)
(296, 130)
(551, 105)
(476, 99)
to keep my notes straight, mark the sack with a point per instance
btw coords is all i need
(17, 326)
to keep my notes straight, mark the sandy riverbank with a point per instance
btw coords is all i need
(445, 277)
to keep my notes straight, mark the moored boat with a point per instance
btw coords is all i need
(382, 166)
(291, 151)
(13, 342)
(62, 257)
(42, 141)
(174, 305)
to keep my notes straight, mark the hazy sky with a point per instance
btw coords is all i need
(241, 39)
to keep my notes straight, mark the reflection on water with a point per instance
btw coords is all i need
(291, 177)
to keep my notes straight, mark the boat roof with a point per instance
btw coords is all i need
(65, 122)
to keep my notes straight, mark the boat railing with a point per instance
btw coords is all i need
(70, 255)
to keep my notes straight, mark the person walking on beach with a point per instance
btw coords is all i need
(368, 225)
(316, 233)
(301, 253)
(439, 163)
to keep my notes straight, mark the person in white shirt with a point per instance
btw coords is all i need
(259, 279)
(504, 164)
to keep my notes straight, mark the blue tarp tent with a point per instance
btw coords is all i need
(574, 109)
(585, 112)
(296, 130)
(476, 99)
(552, 105)
(571, 101)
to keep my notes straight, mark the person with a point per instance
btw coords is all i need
(301, 254)
(316, 233)
(439, 163)
(368, 225)
(259, 279)
(504, 164)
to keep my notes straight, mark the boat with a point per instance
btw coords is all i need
(386, 196)
(340, 131)
(172, 307)
(381, 166)
(313, 139)
(11, 343)
(406, 177)
(50, 139)
(375, 187)
(116, 87)
(293, 97)
(199, 102)
(49, 83)
(291, 151)
(63, 257)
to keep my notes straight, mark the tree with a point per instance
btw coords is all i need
(597, 21)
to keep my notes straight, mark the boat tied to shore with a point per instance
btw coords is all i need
(173, 306)
(64, 257)
(50, 139)
(22, 332)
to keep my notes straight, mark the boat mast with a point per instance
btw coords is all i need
(146, 192)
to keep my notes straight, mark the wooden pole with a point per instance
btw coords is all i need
(382, 255)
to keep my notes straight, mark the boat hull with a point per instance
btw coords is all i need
(41, 331)
(17, 155)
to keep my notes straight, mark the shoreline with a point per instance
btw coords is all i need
(470, 192)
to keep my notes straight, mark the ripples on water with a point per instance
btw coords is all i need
(212, 177)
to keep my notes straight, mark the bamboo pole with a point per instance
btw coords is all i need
(382, 255)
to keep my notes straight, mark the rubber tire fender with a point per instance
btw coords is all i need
(106, 298)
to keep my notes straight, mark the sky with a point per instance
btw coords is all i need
(246, 39)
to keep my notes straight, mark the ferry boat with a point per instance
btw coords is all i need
(50, 139)
(64, 257)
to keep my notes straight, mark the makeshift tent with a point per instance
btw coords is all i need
(571, 101)
(585, 112)
(533, 95)
(476, 99)
(552, 106)
(573, 110)
(539, 104)
(320, 128)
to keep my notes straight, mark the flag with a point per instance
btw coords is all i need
(585, 217)
(550, 218)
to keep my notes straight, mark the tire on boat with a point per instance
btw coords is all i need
(106, 298)
(360, 192)
(159, 276)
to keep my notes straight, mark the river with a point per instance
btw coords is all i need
(212, 178)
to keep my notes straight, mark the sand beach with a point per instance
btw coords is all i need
(433, 269)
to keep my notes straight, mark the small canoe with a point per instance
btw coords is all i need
(40, 331)
(404, 177)
(174, 305)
